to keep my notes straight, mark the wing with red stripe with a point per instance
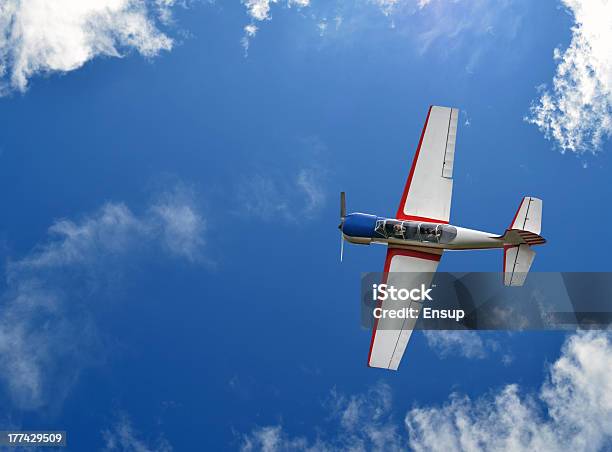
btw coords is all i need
(403, 269)
(428, 191)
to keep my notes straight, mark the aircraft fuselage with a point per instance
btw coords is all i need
(360, 228)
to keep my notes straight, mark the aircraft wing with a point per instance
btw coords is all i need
(390, 336)
(428, 190)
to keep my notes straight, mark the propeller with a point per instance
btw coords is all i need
(342, 217)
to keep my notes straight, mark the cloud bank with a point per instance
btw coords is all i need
(577, 397)
(572, 411)
(42, 37)
(577, 112)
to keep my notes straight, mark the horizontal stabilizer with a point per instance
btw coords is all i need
(518, 237)
(523, 233)
(517, 262)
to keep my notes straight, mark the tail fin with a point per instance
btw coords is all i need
(523, 233)
(528, 217)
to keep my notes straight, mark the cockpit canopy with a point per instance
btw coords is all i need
(412, 230)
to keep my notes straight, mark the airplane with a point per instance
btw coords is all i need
(420, 232)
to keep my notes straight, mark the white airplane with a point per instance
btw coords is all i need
(420, 232)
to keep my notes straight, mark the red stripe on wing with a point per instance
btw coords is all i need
(400, 215)
(391, 253)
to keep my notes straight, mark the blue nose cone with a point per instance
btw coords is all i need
(359, 225)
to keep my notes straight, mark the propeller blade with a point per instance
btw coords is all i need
(341, 246)
(342, 204)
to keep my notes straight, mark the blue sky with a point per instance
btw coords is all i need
(169, 242)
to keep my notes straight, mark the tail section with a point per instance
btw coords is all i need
(528, 217)
(523, 233)
(517, 261)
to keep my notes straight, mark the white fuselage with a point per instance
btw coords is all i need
(466, 239)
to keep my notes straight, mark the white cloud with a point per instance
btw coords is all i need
(309, 182)
(271, 198)
(290, 195)
(322, 26)
(364, 422)
(572, 411)
(466, 32)
(507, 359)
(577, 397)
(46, 325)
(577, 112)
(261, 196)
(112, 227)
(386, 6)
(457, 343)
(180, 223)
(475, 27)
(121, 436)
(259, 10)
(250, 31)
(272, 439)
(40, 36)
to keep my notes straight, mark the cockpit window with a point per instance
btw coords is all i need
(396, 229)
(430, 232)
(448, 233)
(410, 230)
(390, 228)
